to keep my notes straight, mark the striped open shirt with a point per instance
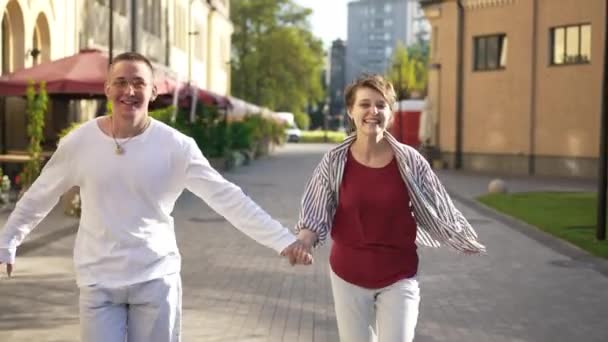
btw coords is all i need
(438, 220)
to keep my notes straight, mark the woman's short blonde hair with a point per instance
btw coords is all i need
(373, 81)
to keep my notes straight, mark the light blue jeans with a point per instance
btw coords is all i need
(388, 314)
(144, 312)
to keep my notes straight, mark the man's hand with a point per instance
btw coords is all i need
(9, 269)
(298, 253)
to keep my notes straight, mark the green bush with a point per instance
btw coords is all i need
(36, 109)
(218, 138)
(319, 137)
(163, 114)
(67, 130)
(241, 135)
(277, 134)
(209, 129)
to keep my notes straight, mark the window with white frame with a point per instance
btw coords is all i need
(571, 44)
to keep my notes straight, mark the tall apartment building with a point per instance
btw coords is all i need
(337, 77)
(375, 27)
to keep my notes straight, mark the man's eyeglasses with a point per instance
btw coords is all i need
(123, 84)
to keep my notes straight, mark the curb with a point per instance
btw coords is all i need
(582, 257)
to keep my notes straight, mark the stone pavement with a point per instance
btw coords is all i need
(236, 290)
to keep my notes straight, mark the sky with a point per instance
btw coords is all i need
(328, 20)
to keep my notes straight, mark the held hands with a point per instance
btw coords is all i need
(298, 253)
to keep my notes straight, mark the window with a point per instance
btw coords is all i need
(151, 15)
(571, 44)
(490, 52)
(388, 51)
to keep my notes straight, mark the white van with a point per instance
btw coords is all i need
(292, 133)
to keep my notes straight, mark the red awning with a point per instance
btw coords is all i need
(81, 74)
(206, 96)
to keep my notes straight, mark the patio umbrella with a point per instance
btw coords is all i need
(82, 74)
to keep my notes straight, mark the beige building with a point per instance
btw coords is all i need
(516, 85)
(190, 38)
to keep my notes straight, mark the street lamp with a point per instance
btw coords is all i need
(603, 162)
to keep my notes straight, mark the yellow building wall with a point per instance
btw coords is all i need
(569, 96)
(444, 22)
(530, 117)
(496, 104)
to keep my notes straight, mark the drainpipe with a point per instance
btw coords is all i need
(534, 50)
(603, 165)
(459, 86)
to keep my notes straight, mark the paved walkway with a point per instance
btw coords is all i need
(236, 290)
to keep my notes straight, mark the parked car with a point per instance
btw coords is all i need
(293, 133)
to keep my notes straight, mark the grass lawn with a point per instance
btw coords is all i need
(568, 215)
(319, 136)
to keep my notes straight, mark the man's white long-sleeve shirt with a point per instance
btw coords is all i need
(126, 233)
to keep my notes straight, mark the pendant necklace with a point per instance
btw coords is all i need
(119, 149)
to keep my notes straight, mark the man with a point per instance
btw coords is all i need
(131, 169)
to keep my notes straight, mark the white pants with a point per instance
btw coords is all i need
(376, 315)
(144, 312)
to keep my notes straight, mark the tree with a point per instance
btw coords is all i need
(408, 69)
(36, 109)
(276, 60)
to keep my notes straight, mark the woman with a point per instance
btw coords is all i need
(378, 197)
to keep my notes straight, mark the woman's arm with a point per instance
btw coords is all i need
(318, 206)
(448, 224)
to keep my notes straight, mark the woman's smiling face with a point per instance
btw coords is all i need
(370, 112)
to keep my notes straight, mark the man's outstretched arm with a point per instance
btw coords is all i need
(228, 200)
(36, 203)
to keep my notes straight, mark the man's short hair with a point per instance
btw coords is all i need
(132, 57)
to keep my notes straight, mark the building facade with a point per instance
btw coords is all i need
(337, 78)
(516, 86)
(375, 27)
(189, 38)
